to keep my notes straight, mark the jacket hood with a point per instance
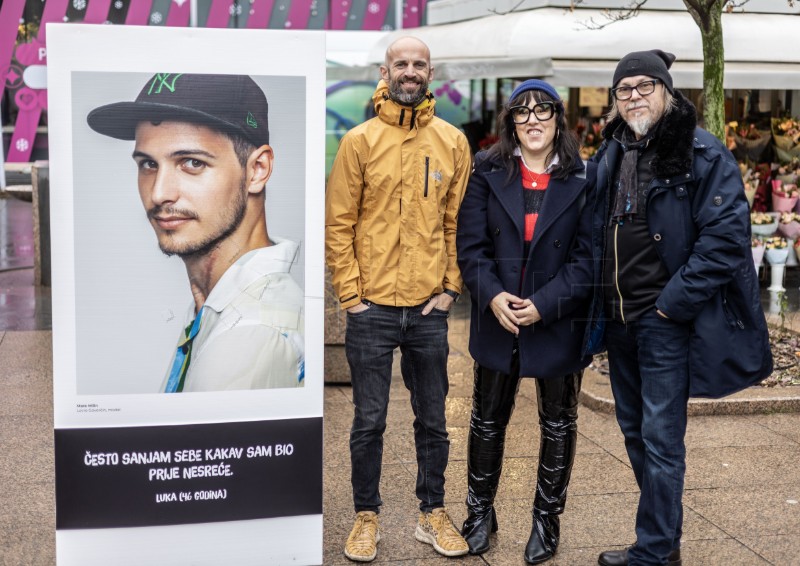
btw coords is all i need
(675, 136)
(396, 114)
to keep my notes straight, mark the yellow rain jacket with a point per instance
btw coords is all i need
(392, 204)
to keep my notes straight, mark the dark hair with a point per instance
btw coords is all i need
(565, 144)
(242, 147)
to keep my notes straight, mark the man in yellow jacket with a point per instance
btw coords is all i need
(391, 208)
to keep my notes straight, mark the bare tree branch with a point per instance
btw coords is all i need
(513, 9)
(611, 16)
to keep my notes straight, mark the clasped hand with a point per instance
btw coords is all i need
(513, 312)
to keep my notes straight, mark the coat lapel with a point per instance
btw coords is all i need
(510, 197)
(558, 197)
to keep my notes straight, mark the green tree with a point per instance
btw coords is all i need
(707, 14)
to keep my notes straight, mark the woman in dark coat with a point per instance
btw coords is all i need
(524, 249)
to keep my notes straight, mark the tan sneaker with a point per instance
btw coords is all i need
(437, 529)
(362, 544)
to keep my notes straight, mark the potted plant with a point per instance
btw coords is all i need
(789, 225)
(757, 246)
(786, 174)
(750, 180)
(763, 223)
(776, 250)
(786, 135)
(784, 197)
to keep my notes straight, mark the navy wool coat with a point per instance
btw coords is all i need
(556, 276)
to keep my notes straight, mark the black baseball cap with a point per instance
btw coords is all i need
(230, 103)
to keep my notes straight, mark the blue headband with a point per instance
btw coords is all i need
(536, 84)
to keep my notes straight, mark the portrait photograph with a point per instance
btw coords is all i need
(187, 191)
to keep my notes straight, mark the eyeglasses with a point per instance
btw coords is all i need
(644, 88)
(543, 112)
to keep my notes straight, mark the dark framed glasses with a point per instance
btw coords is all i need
(543, 111)
(644, 88)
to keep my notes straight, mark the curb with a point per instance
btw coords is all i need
(596, 395)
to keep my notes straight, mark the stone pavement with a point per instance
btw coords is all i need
(742, 483)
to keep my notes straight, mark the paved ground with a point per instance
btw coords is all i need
(742, 483)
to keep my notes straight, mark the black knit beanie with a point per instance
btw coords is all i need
(654, 63)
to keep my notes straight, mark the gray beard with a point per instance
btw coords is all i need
(641, 126)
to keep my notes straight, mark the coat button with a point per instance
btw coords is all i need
(666, 181)
(497, 231)
(688, 175)
(657, 237)
(717, 200)
(557, 243)
(551, 277)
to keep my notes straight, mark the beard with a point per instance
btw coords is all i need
(640, 126)
(397, 93)
(232, 217)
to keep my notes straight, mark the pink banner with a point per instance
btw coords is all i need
(30, 110)
(54, 11)
(219, 14)
(10, 13)
(412, 16)
(178, 14)
(340, 9)
(375, 14)
(260, 13)
(298, 15)
(97, 11)
(138, 12)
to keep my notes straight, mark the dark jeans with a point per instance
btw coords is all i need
(648, 360)
(371, 338)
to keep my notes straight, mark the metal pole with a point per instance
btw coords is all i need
(193, 13)
(398, 14)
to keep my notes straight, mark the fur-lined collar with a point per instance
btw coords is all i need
(675, 138)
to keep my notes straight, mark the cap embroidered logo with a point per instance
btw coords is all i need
(163, 80)
(251, 121)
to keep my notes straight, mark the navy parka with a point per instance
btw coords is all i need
(557, 274)
(698, 218)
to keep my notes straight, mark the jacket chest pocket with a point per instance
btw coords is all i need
(435, 178)
(669, 213)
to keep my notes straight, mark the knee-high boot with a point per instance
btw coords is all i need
(558, 415)
(492, 405)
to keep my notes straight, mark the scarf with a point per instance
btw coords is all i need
(626, 201)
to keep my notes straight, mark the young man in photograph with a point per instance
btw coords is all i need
(203, 158)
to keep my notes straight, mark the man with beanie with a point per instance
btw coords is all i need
(676, 288)
(203, 158)
(390, 234)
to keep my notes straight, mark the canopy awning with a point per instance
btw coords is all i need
(553, 43)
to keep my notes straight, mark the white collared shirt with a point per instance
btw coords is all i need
(251, 333)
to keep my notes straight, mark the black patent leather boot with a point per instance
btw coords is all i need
(543, 542)
(492, 405)
(558, 415)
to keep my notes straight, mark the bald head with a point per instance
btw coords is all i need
(407, 70)
(407, 43)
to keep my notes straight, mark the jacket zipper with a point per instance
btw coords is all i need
(427, 164)
(616, 273)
